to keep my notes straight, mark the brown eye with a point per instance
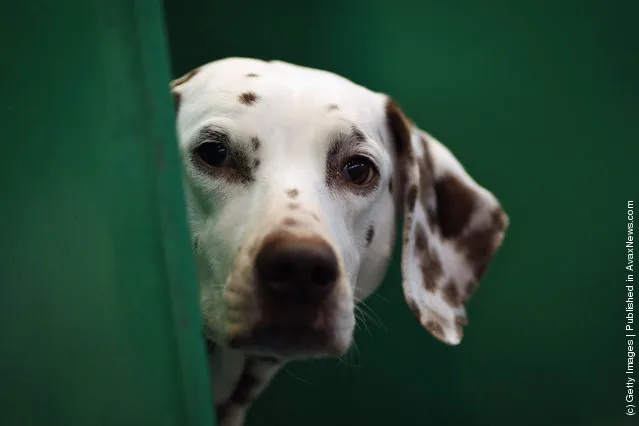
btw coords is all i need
(212, 154)
(359, 171)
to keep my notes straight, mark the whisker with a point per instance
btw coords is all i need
(360, 315)
(357, 354)
(295, 376)
(372, 315)
(344, 359)
(382, 297)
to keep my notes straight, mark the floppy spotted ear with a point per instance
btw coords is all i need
(452, 228)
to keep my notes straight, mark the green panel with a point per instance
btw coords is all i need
(100, 324)
(539, 100)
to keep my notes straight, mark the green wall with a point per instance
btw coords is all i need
(99, 321)
(539, 100)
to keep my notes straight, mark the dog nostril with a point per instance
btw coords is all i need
(282, 271)
(323, 276)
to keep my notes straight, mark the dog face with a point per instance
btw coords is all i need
(292, 179)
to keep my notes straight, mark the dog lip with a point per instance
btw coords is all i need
(287, 341)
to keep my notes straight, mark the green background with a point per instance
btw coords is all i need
(99, 320)
(539, 100)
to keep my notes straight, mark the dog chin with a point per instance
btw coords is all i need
(289, 343)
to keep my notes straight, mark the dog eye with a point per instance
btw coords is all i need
(359, 171)
(212, 154)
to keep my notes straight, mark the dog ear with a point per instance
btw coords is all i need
(452, 229)
(175, 86)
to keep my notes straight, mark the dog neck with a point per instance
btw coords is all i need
(236, 380)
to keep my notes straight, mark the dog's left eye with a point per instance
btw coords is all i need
(212, 154)
(359, 171)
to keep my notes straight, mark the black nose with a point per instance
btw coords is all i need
(301, 269)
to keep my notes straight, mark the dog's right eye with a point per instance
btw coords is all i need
(212, 154)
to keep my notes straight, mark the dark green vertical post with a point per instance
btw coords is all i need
(98, 303)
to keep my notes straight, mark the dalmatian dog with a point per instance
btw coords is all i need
(295, 183)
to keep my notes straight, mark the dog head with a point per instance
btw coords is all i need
(294, 179)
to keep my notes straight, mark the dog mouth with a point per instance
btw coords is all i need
(293, 332)
(290, 342)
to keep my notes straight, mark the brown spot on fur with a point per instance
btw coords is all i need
(289, 221)
(500, 219)
(461, 320)
(332, 107)
(411, 198)
(455, 205)
(293, 206)
(292, 193)
(481, 245)
(315, 216)
(246, 389)
(412, 305)
(248, 98)
(399, 127)
(186, 77)
(420, 239)
(249, 383)
(243, 392)
(251, 74)
(460, 330)
(408, 223)
(451, 295)
(370, 232)
(435, 329)
(429, 262)
(255, 141)
(426, 180)
(177, 97)
(431, 269)
(431, 217)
